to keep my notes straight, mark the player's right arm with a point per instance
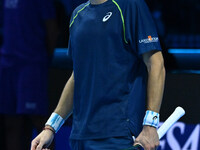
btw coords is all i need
(64, 109)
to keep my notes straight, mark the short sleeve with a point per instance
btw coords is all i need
(47, 9)
(140, 28)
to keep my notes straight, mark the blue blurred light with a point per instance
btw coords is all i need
(61, 50)
(186, 71)
(184, 51)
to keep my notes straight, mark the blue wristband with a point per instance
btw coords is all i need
(55, 121)
(151, 119)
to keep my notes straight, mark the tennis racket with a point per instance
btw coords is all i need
(171, 120)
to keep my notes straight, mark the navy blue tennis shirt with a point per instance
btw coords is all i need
(106, 44)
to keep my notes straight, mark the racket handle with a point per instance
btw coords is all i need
(171, 120)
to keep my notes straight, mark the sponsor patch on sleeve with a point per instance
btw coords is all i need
(150, 39)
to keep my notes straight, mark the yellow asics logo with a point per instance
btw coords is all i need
(108, 15)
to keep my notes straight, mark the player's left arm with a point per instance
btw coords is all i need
(148, 138)
(156, 78)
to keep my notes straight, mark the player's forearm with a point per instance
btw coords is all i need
(65, 104)
(148, 138)
(155, 86)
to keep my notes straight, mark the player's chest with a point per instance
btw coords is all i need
(102, 23)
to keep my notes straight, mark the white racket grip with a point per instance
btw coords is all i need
(176, 115)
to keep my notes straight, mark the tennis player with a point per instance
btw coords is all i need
(118, 75)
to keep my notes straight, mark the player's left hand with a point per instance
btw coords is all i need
(148, 138)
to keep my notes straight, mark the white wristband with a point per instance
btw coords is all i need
(55, 121)
(151, 119)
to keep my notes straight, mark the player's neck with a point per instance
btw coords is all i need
(96, 2)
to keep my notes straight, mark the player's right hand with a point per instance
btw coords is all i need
(148, 138)
(42, 141)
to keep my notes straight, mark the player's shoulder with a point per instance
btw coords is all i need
(80, 7)
(135, 1)
(127, 3)
(78, 10)
(132, 3)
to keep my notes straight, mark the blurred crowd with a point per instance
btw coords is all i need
(30, 31)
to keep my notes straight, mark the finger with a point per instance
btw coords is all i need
(152, 146)
(137, 144)
(138, 147)
(157, 144)
(34, 145)
(40, 146)
(149, 147)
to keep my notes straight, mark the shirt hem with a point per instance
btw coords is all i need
(88, 137)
